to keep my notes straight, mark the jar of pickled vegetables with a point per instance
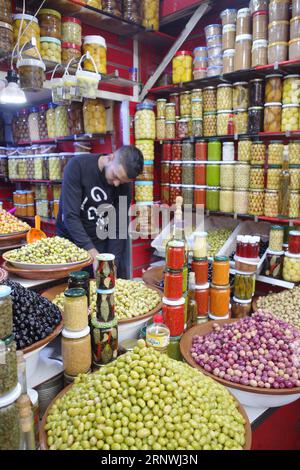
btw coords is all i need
(212, 198)
(51, 49)
(170, 130)
(244, 150)
(197, 125)
(196, 93)
(294, 152)
(175, 191)
(30, 29)
(294, 47)
(160, 128)
(275, 152)
(183, 128)
(228, 152)
(294, 171)
(148, 172)
(276, 238)
(147, 148)
(257, 177)
(188, 173)
(226, 200)
(150, 10)
(42, 122)
(50, 120)
(71, 30)
(224, 97)
(213, 174)
(187, 151)
(42, 208)
(182, 66)
(164, 172)
(170, 112)
(291, 89)
(200, 174)
(185, 104)
(70, 51)
(161, 108)
(50, 23)
(290, 117)
(175, 172)
(241, 175)
(291, 267)
(241, 121)
(165, 193)
(33, 124)
(96, 46)
(175, 99)
(209, 99)
(188, 194)
(273, 88)
(61, 121)
(240, 95)
(209, 124)
(257, 92)
(199, 195)
(256, 202)
(240, 201)
(273, 177)
(224, 118)
(32, 74)
(143, 191)
(255, 119)
(272, 117)
(41, 171)
(196, 104)
(258, 151)
(94, 117)
(271, 203)
(214, 150)
(219, 302)
(54, 164)
(294, 205)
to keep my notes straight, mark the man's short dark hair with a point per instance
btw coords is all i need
(132, 160)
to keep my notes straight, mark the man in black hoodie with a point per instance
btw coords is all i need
(90, 182)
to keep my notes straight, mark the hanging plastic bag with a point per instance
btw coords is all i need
(71, 91)
(87, 82)
(57, 86)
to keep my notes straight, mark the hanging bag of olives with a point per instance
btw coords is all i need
(87, 81)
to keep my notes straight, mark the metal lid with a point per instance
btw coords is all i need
(106, 257)
(79, 275)
(75, 334)
(173, 303)
(214, 286)
(221, 258)
(73, 293)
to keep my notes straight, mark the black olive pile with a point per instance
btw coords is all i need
(34, 317)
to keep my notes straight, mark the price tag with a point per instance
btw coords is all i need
(291, 223)
(288, 134)
(255, 218)
(276, 65)
(236, 137)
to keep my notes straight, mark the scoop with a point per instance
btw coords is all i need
(35, 234)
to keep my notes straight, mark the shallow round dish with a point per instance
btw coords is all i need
(60, 272)
(246, 395)
(36, 267)
(13, 234)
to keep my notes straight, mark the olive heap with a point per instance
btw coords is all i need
(216, 239)
(34, 317)
(145, 400)
(53, 250)
(283, 305)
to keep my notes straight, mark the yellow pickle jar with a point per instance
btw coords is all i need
(271, 203)
(144, 191)
(209, 99)
(170, 112)
(94, 116)
(240, 95)
(240, 201)
(226, 200)
(256, 202)
(241, 175)
(224, 97)
(76, 351)
(185, 104)
(75, 312)
(291, 267)
(294, 177)
(144, 122)
(196, 93)
(294, 152)
(290, 117)
(291, 89)
(170, 130)
(258, 152)
(273, 177)
(241, 121)
(227, 175)
(257, 177)
(96, 46)
(244, 150)
(150, 11)
(223, 120)
(209, 124)
(161, 108)
(182, 65)
(272, 117)
(30, 29)
(160, 128)
(294, 205)
(196, 108)
(146, 147)
(275, 152)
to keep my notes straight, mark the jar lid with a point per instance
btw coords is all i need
(273, 104)
(256, 190)
(6, 25)
(150, 162)
(176, 243)
(142, 106)
(243, 37)
(272, 252)
(295, 233)
(275, 23)
(257, 166)
(277, 227)
(240, 301)
(105, 291)
(221, 258)
(79, 275)
(274, 75)
(250, 261)
(72, 293)
(243, 273)
(199, 187)
(161, 100)
(240, 83)
(210, 88)
(202, 286)
(225, 111)
(229, 27)
(225, 85)
(70, 19)
(229, 52)
(105, 257)
(281, 43)
(278, 166)
(10, 397)
(75, 334)
(200, 48)
(273, 142)
(187, 186)
(174, 94)
(49, 11)
(228, 11)
(231, 144)
(291, 255)
(240, 110)
(293, 75)
(173, 303)
(31, 63)
(170, 104)
(70, 45)
(256, 108)
(196, 100)
(5, 291)
(259, 13)
(95, 40)
(176, 162)
(215, 25)
(170, 122)
(210, 113)
(291, 105)
(20, 16)
(259, 43)
(197, 119)
(213, 188)
(179, 53)
(243, 12)
(214, 286)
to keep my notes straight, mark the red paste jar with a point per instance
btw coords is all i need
(175, 255)
(294, 242)
(202, 299)
(173, 284)
(173, 315)
(200, 268)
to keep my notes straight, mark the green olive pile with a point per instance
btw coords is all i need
(132, 299)
(216, 239)
(53, 250)
(284, 305)
(145, 400)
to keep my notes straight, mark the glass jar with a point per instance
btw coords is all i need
(199, 195)
(161, 108)
(71, 30)
(295, 8)
(143, 191)
(170, 130)
(75, 118)
(196, 94)
(30, 29)
(294, 28)
(197, 127)
(54, 164)
(256, 92)
(187, 173)
(31, 72)
(271, 203)
(188, 194)
(241, 121)
(219, 301)
(3, 166)
(260, 25)
(6, 314)
(196, 105)
(33, 124)
(132, 11)
(273, 89)
(51, 49)
(228, 16)
(256, 202)
(275, 152)
(224, 97)
(273, 177)
(241, 176)
(187, 151)
(228, 36)
(278, 31)
(244, 150)
(212, 30)
(258, 151)
(50, 23)
(148, 172)
(243, 21)
(294, 171)
(160, 128)
(147, 149)
(175, 172)
(243, 46)
(94, 118)
(42, 122)
(144, 122)
(214, 150)
(164, 172)
(290, 117)
(212, 199)
(240, 95)
(240, 201)
(226, 200)
(182, 65)
(244, 285)
(240, 308)
(61, 121)
(151, 14)
(277, 52)
(209, 99)
(6, 11)
(294, 242)
(185, 104)
(259, 53)
(294, 205)
(96, 46)
(291, 89)
(75, 311)
(23, 129)
(201, 150)
(22, 167)
(175, 98)
(228, 152)
(183, 128)
(224, 118)
(6, 38)
(76, 351)
(42, 208)
(256, 117)
(170, 112)
(276, 238)
(294, 152)
(257, 177)
(9, 420)
(177, 151)
(272, 117)
(70, 51)
(291, 267)
(41, 167)
(279, 10)
(213, 174)
(165, 193)
(209, 124)
(273, 264)
(175, 191)
(50, 120)
(200, 174)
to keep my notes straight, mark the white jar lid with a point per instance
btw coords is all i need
(240, 301)
(292, 255)
(106, 257)
(229, 52)
(259, 43)
(4, 291)
(291, 105)
(243, 12)
(10, 397)
(243, 273)
(31, 63)
(75, 334)
(272, 252)
(202, 286)
(19, 16)
(273, 104)
(244, 37)
(48, 39)
(173, 303)
(231, 144)
(95, 40)
(225, 85)
(176, 243)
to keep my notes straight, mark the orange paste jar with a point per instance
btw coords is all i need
(221, 267)
(219, 301)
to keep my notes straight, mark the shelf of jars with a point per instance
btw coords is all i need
(260, 135)
(273, 220)
(70, 138)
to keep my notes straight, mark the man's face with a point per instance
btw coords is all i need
(115, 174)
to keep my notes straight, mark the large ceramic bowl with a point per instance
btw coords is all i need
(37, 267)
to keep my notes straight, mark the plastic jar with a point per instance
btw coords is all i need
(275, 152)
(278, 31)
(214, 41)
(164, 172)
(160, 128)
(260, 25)
(294, 28)
(196, 94)
(176, 152)
(71, 30)
(219, 301)
(70, 51)
(226, 200)
(255, 119)
(61, 121)
(240, 95)
(224, 118)
(188, 173)
(33, 125)
(294, 49)
(209, 124)
(290, 117)
(175, 172)
(240, 308)
(291, 89)
(147, 149)
(271, 203)
(257, 177)
(215, 70)
(199, 73)
(240, 201)
(76, 351)
(3, 166)
(259, 53)
(294, 242)
(196, 104)
(209, 95)
(241, 121)
(273, 177)
(9, 420)
(150, 10)
(294, 205)
(258, 151)
(224, 97)
(6, 37)
(50, 23)
(243, 21)
(96, 46)
(294, 152)
(277, 52)
(185, 103)
(42, 208)
(228, 61)
(200, 52)
(273, 264)
(199, 174)
(201, 150)
(182, 65)
(31, 25)
(272, 117)
(197, 127)
(143, 191)
(50, 120)
(144, 122)
(42, 122)
(273, 89)
(31, 73)
(213, 174)
(243, 46)
(291, 267)
(165, 193)
(175, 191)
(241, 175)
(244, 150)
(212, 199)
(6, 11)
(23, 131)
(279, 10)
(228, 16)
(132, 11)
(295, 8)
(41, 167)
(228, 36)
(256, 202)
(75, 118)
(294, 171)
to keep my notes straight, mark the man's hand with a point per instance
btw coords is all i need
(93, 252)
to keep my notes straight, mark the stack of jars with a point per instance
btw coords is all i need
(294, 43)
(275, 254)
(200, 62)
(209, 111)
(260, 32)
(247, 253)
(243, 40)
(200, 269)
(213, 178)
(144, 128)
(24, 203)
(291, 264)
(10, 390)
(220, 289)
(213, 35)
(225, 118)
(228, 18)
(278, 30)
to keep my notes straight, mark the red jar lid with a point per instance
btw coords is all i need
(70, 45)
(184, 53)
(70, 19)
